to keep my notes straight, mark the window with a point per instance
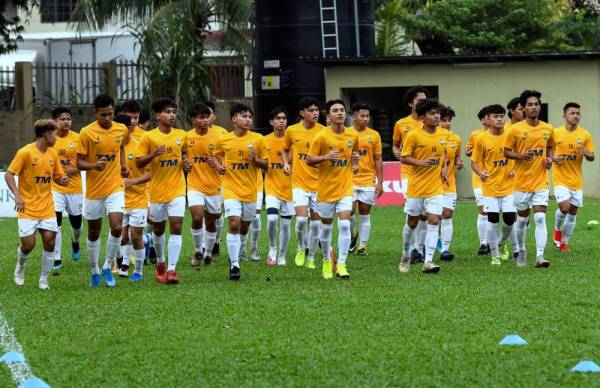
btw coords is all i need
(55, 11)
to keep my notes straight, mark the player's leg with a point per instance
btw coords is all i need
(433, 208)
(159, 215)
(47, 230)
(196, 203)
(353, 231)
(413, 208)
(272, 205)
(492, 209)
(482, 220)
(539, 203)
(220, 222)
(137, 222)
(233, 212)
(509, 216)
(212, 213)
(27, 229)
(126, 246)
(60, 204)
(314, 234)
(175, 213)
(94, 211)
(563, 199)
(248, 216)
(74, 209)
(255, 228)
(114, 204)
(326, 211)
(286, 210)
(366, 199)
(576, 201)
(446, 227)
(522, 204)
(420, 236)
(343, 209)
(148, 232)
(301, 201)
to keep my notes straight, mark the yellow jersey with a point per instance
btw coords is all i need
(219, 130)
(426, 181)
(136, 196)
(569, 174)
(239, 182)
(299, 140)
(96, 143)
(369, 145)
(532, 175)
(335, 176)
(66, 147)
(137, 134)
(203, 178)
(260, 181)
(36, 170)
(475, 180)
(489, 155)
(167, 180)
(452, 150)
(277, 183)
(401, 129)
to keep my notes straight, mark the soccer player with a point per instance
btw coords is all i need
(132, 109)
(136, 205)
(484, 248)
(238, 156)
(305, 179)
(515, 112)
(530, 143)
(204, 184)
(144, 120)
(333, 151)
(70, 198)
(401, 129)
(100, 153)
(573, 144)
(368, 182)
(256, 225)
(425, 151)
(36, 165)
(497, 174)
(278, 189)
(454, 162)
(164, 150)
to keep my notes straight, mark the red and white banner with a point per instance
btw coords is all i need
(393, 193)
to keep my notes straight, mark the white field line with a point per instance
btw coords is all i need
(20, 371)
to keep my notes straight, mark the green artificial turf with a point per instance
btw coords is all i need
(289, 327)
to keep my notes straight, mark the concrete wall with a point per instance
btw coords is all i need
(467, 89)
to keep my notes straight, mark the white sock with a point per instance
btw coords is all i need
(219, 224)
(76, 233)
(198, 237)
(559, 220)
(93, 252)
(139, 256)
(272, 230)
(21, 256)
(255, 229)
(174, 248)
(481, 228)
(506, 233)
(301, 231)
(446, 231)
(513, 238)
(352, 225)
(541, 233)
(421, 235)
(313, 238)
(407, 239)
(233, 247)
(47, 263)
(521, 231)
(243, 238)
(113, 247)
(209, 238)
(159, 246)
(344, 238)
(364, 231)
(285, 233)
(126, 252)
(569, 227)
(492, 239)
(431, 240)
(325, 238)
(57, 244)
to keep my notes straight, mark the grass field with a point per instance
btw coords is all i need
(288, 327)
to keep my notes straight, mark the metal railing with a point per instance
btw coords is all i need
(131, 81)
(7, 88)
(71, 84)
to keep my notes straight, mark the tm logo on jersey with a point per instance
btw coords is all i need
(240, 166)
(169, 163)
(500, 163)
(276, 166)
(65, 162)
(302, 156)
(42, 179)
(106, 157)
(570, 158)
(339, 163)
(201, 159)
(538, 152)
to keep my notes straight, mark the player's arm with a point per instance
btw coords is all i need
(476, 160)
(216, 159)
(260, 160)
(397, 142)
(124, 168)
(9, 177)
(458, 162)
(587, 149)
(58, 175)
(84, 165)
(286, 158)
(418, 162)
(378, 174)
(139, 180)
(355, 157)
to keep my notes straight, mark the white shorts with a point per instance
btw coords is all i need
(478, 196)
(304, 198)
(285, 208)
(260, 199)
(364, 194)
(449, 201)
(327, 209)
(236, 208)
(72, 203)
(211, 203)
(421, 206)
(524, 201)
(135, 217)
(405, 186)
(575, 197)
(27, 227)
(160, 211)
(504, 204)
(98, 208)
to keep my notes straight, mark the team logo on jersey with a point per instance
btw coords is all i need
(452, 145)
(34, 162)
(545, 136)
(97, 140)
(192, 142)
(211, 147)
(349, 143)
(130, 156)
(442, 141)
(118, 138)
(579, 141)
(178, 141)
(525, 135)
(72, 145)
(370, 140)
(51, 162)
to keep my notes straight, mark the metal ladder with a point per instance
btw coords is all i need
(329, 28)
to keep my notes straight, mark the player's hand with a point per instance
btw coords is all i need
(211, 162)
(354, 168)
(63, 180)
(528, 155)
(287, 169)
(548, 163)
(252, 154)
(127, 182)
(70, 170)
(512, 173)
(161, 149)
(19, 203)
(581, 150)
(333, 155)
(459, 164)
(484, 175)
(559, 159)
(444, 176)
(355, 157)
(379, 189)
(100, 165)
(429, 162)
(187, 165)
(222, 169)
(124, 171)
(397, 153)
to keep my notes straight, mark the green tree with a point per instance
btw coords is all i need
(12, 26)
(389, 36)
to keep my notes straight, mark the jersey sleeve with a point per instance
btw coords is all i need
(18, 163)
(263, 152)
(218, 150)
(510, 141)
(316, 146)
(287, 144)
(58, 169)
(477, 155)
(471, 141)
(83, 146)
(378, 147)
(407, 148)
(589, 143)
(551, 142)
(397, 137)
(144, 146)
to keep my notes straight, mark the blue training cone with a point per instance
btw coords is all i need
(513, 339)
(586, 366)
(34, 382)
(12, 357)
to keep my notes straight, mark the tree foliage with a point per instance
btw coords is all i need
(12, 26)
(390, 39)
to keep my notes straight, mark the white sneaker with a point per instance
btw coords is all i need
(43, 284)
(242, 256)
(405, 264)
(20, 274)
(254, 254)
(522, 259)
(430, 267)
(281, 262)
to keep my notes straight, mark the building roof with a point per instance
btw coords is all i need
(483, 59)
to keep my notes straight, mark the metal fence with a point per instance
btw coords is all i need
(7, 87)
(66, 84)
(226, 81)
(131, 81)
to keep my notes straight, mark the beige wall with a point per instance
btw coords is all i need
(468, 89)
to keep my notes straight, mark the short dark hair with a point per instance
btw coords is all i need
(411, 93)
(44, 125)
(123, 119)
(144, 116)
(331, 103)
(426, 105)
(239, 108)
(277, 110)
(495, 109)
(163, 103)
(482, 112)
(211, 105)
(527, 94)
(307, 102)
(571, 105)
(512, 105)
(357, 106)
(131, 106)
(199, 110)
(103, 101)
(59, 111)
(447, 112)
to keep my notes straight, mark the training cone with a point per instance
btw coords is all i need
(513, 339)
(12, 357)
(586, 366)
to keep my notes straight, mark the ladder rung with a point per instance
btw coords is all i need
(327, 8)
(326, 35)
(330, 48)
(328, 21)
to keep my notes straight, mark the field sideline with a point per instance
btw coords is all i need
(288, 327)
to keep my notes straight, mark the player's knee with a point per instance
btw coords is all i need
(75, 221)
(494, 218)
(509, 218)
(539, 218)
(344, 226)
(116, 230)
